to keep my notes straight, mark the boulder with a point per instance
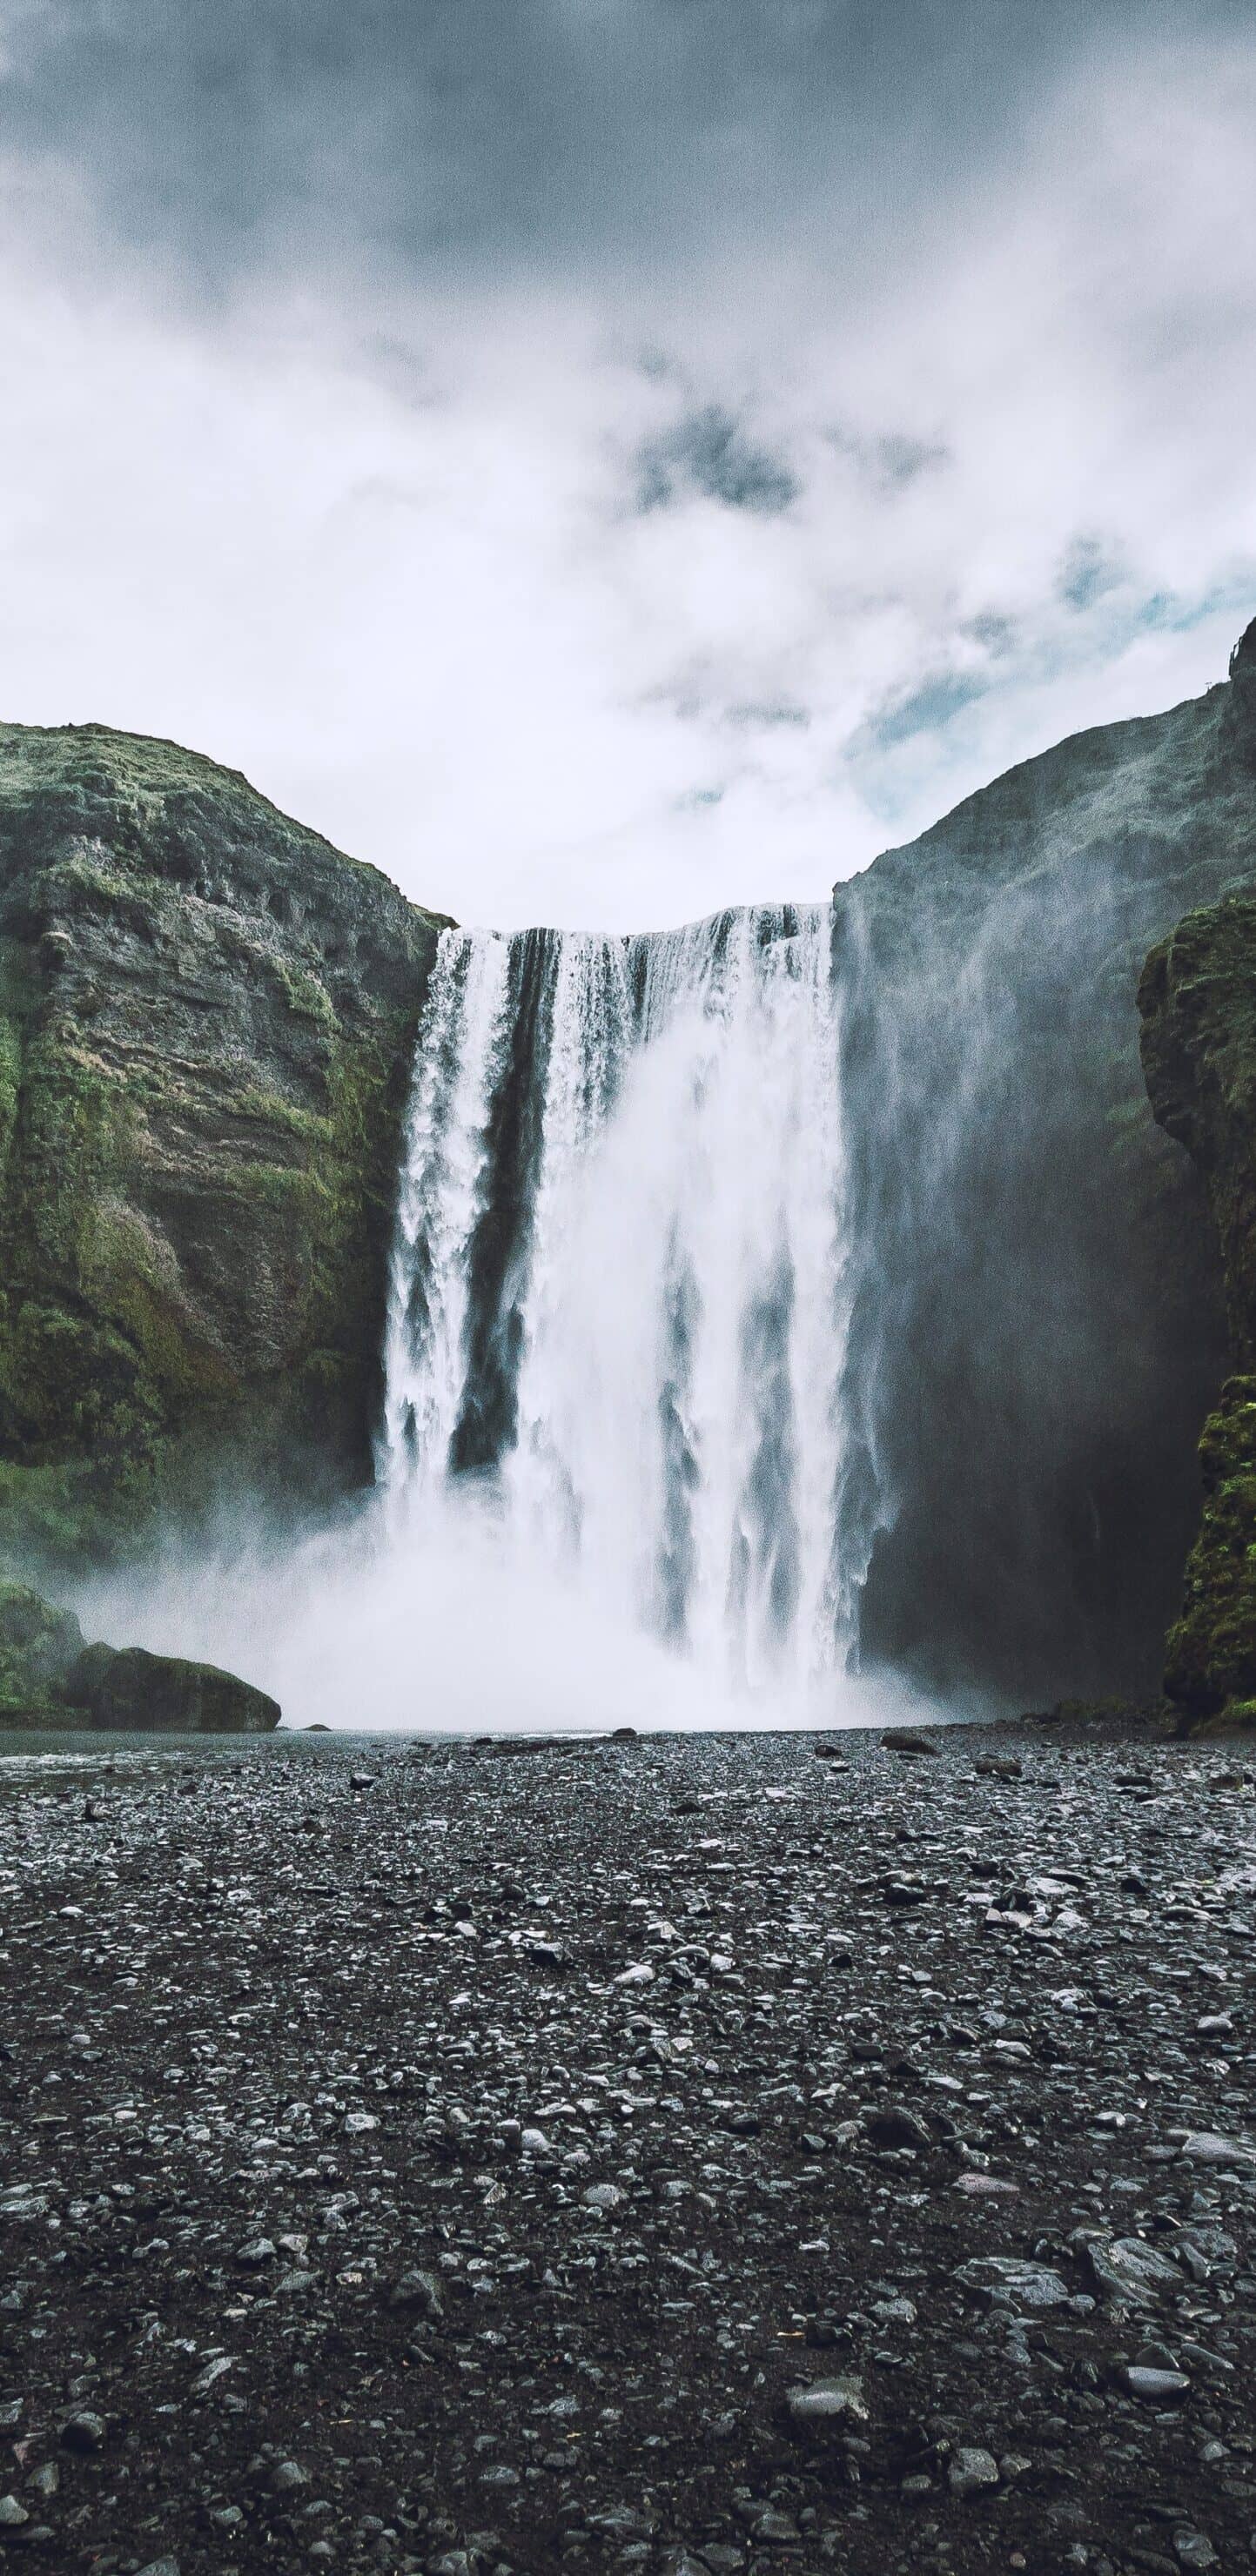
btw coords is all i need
(126, 1688)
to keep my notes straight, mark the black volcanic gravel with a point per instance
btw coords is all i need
(681, 2155)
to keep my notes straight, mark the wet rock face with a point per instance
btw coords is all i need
(1198, 1004)
(206, 1020)
(465, 2167)
(1033, 1268)
(1210, 1656)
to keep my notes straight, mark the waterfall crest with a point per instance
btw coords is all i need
(622, 1283)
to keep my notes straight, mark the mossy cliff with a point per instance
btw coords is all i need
(206, 1020)
(1198, 1001)
(1035, 1273)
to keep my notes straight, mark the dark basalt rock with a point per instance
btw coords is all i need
(207, 1015)
(126, 1688)
(1198, 1002)
(49, 1678)
(1034, 1273)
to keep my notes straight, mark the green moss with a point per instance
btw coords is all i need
(196, 1152)
(304, 993)
(37, 1644)
(270, 1109)
(1211, 1650)
(137, 1283)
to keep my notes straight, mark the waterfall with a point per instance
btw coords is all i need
(621, 1281)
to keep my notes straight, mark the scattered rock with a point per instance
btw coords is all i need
(972, 2472)
(1155, 2386)
(85, 2432)
(383, 2228)
(820, 2405)
(1024, 2285)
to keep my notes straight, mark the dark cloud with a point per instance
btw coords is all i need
(708, 452)
(996, 633)
(583, 131)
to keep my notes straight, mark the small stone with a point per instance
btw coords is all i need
(1154, 2385)
(357, 2123)
(1027, 2285)
(1124, 2267)
(259, 2250)
(892, 2126)
(777, 2529)
(909, 1740)
(85, 2432)
(602, 2195)
(1193, 2550)
(972, 2472)
(417, 2289)
(823, 2404)
(13, 2516)
(289, 2478)
(1206, 2147)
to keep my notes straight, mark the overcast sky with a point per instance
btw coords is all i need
(601, 459)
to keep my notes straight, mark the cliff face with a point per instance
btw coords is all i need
(1198, 1001)
(206, 1019)
(1041, 1275)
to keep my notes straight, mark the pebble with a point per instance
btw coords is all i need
(822, 2403)
(972, 2472)
(1155, 2384)
(374, 2214)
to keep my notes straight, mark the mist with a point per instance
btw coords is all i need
(455, 1628)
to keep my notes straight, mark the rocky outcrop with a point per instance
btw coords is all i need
(1198, 1001)
(206, 1021)
(1037, 1268)
(126, 1689)
(50, 1678)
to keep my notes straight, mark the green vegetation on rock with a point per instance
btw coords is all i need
(1198, 1004)
(207, 1016)
(1211, 1652)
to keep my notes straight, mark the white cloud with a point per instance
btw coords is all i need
(381, 548)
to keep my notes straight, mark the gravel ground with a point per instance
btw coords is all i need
(677, 2155)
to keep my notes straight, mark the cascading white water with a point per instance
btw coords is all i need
(620, 1287)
